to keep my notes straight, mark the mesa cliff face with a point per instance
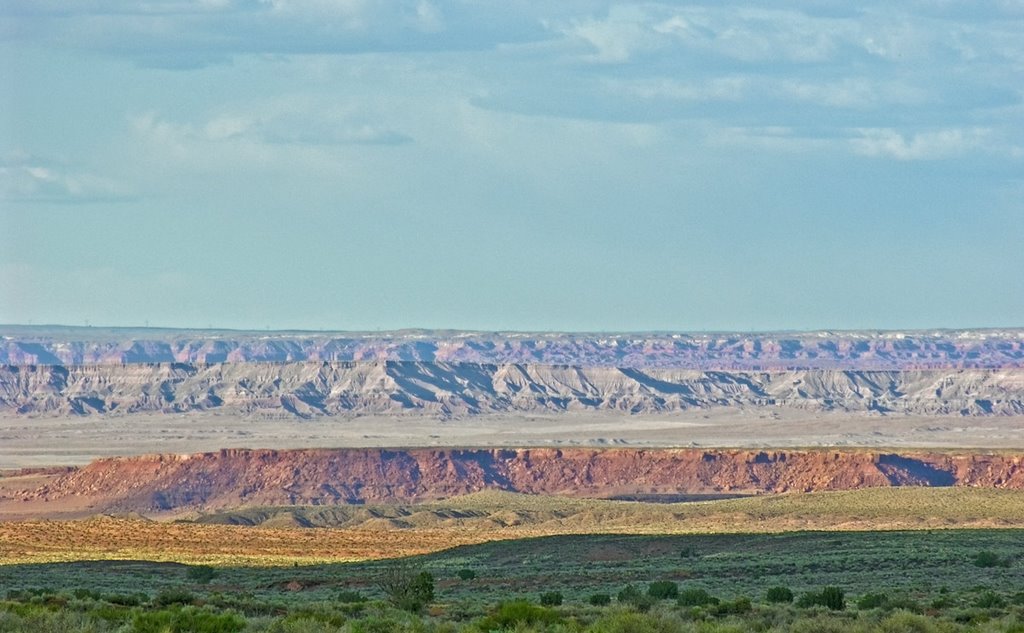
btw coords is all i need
(235, 477)
(308, 389)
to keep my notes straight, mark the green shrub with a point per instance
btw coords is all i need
(829, 597)
(833, 598)
(599, 599)
(187, 620)
(989, 600)
(87, 594)
(633, 597)
(301, 625)
(990, 559)
(663, 590)
(551, 599)
(628, 594)
(201, 574)
(903, 603)
(349, 596)
(376, 624)
(47, 621)
(169, 597)
(520, 612)
(630, 623)
(316, 614)
(695, 597)
(806, 600)
(109, 613)
(466, 574)
(779, 594)
(736, 606)
(406, 588)
(872, 601)
(942, 602)
(126, 600)
(971, 616)
(903, 622)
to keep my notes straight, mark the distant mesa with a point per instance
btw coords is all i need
(242, 477)
(89, 371)
(446, 390)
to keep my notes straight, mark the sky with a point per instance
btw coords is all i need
(513, 165)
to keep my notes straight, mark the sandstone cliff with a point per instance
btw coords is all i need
(235, 477)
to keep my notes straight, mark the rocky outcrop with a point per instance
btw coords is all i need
(461, 389)
(868, 350)
(230, 478)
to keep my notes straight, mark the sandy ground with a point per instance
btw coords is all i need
(36, 442)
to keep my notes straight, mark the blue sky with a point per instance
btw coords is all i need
(512, 165)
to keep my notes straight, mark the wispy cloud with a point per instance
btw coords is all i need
(313, 127)
(187, 35)
(925, 145)
(27, 178)
(771, 138)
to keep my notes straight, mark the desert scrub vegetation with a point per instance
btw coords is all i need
(990, 559)
(213, 539)
(885, 581)
(406, 587)
(79, 612)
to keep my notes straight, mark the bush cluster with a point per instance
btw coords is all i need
(663, 590)
(830, 597)
(990, 559)
(779, 595)
(89, 610)
(696, 597)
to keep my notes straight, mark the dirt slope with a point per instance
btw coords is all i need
(309, 389)
(266, 477)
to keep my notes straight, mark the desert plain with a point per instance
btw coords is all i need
(319, 461)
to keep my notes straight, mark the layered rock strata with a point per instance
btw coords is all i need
(236, 477)
(309, 389)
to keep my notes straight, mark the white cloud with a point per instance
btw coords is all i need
(278, 123)
(928, 145)
(27, 178)
(351, 14)
(616, 38)
(225, 127)
(874, 142)
(743, 34)
(850, 92)
(428, 17)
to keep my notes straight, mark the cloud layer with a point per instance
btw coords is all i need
(578, 164)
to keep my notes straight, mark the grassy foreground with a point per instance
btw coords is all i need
(306, 535)
(891, 582)
(877, 561)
